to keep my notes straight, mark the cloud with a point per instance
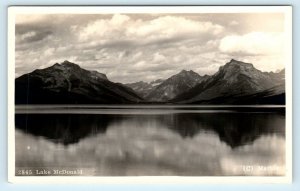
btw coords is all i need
(264, 50)
(164, 43)
(31, 33)
(170, 26)
(103, 28)
(163, 27)
(255, 43)
(35, 36)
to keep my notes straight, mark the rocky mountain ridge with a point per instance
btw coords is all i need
(234, 83)
(68, 83)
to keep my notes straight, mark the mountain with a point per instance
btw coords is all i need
(68, 83)
(234, 83)
(237, 83)
(156, 83)
(144, 88)
(279, 74)
(175, 85)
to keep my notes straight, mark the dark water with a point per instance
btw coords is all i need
(143, 141)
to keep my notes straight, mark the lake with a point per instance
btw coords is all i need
(150, 140)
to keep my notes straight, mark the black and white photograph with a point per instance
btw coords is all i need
(157, 91)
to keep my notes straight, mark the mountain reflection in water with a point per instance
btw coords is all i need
(153, 144)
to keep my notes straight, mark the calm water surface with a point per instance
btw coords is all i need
(184, 141)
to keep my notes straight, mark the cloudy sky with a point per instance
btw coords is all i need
(134, 47)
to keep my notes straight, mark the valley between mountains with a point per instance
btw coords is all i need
(235, 83)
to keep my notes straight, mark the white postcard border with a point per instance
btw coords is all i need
(13, 10)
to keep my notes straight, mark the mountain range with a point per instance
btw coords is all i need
(67, 83)
(237, 83)
(234, 83)
(175, 85)
(144, 88)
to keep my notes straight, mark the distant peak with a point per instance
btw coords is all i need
(66, 62)
(186, 71)
(234, 61)
(69, 64)
(56, 66)
(238, 63)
